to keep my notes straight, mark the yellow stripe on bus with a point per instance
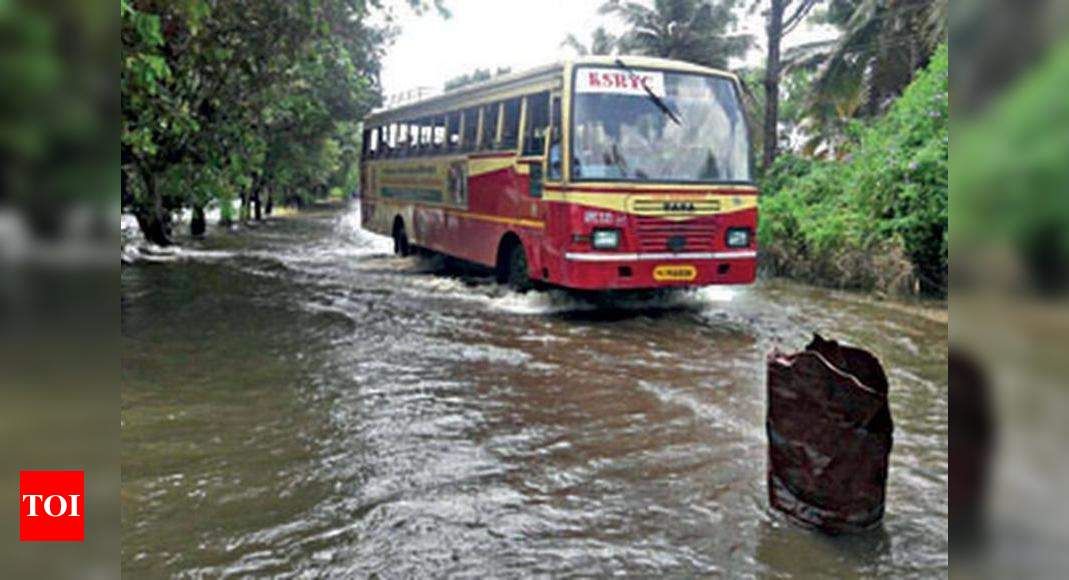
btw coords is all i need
(637, 188)
(499, 219)
(538, 224)
(630, 203)
(478, 167)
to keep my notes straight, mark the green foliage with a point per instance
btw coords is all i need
(878, 216)
(245, 100)
(794, 91)
(793, 94)
(696, 31)
(1011, 172)
(882, 44)
(57, 107)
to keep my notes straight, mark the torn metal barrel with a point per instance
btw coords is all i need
(829, 436)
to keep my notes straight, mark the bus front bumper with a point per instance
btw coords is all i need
(621, 270)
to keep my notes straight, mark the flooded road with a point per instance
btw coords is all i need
(296, 401)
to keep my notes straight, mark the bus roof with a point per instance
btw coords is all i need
(546, 77)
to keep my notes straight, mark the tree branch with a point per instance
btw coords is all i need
(799, 15)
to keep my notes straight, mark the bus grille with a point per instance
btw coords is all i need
(659, 235)
(674, 207)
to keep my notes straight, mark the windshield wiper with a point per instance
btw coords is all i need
(653, 97)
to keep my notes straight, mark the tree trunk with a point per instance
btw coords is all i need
(256, 210)
(127, 193)
(269, 206)
(153, 227)
(774, 28)
(151, 217)
(243, 212)
(198, 224)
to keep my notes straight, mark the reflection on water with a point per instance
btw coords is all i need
(295, 399)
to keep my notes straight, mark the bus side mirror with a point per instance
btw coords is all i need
(554, 162)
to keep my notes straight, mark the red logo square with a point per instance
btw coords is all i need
(51, 506)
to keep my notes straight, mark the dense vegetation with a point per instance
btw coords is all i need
(58, 105)
(257, 101)
(877, 216)
(1011, 170)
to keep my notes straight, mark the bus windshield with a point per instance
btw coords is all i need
(658, 126)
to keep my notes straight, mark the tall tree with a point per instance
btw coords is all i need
(781, 18)
(698, 31)
(602, 42)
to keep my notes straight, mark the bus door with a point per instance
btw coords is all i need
(541, 156)
(541, 152)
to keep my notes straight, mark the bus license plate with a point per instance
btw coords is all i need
(675, 273)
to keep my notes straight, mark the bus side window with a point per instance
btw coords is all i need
(418, 135)
(413, 139)
(534, 131)
(402, 140)
(438, 135)
(452, 131)
(510, 125)
(471, 127)
(371, 143)
(391, 140)
(490, 113)
(555, 154)
(426, 128)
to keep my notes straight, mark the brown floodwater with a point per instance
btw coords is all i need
(298, 402)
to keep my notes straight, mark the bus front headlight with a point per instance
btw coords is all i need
(605, 239)
(738, 237)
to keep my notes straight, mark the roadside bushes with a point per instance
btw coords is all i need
(1011, 175)
(877, 217)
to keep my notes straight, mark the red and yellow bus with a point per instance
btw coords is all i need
(602, 173)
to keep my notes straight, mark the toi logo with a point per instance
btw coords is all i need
(51, 506)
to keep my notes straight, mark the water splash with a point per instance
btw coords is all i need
(348, 227)
(560, 301)
(142, 251)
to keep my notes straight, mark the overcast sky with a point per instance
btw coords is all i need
(507, 33)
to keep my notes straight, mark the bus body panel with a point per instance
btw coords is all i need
(464, 226)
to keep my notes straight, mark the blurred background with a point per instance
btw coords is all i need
(1009, 240)
(60, 187)
(59, 192)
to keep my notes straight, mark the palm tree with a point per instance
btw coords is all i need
(601, 43)
(697, 31)
(884, 42)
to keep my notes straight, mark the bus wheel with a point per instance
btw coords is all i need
(517, 276)
(400, 240)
